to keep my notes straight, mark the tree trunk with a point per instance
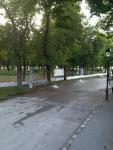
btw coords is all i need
(19, 76)
(8, 68)
(65, 73)
(0, 66)
(45, 47)
(48, 69)
(24, 72)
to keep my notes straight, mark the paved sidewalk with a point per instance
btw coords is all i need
(98, 135)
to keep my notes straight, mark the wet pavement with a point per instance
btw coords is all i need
(98, 134)
(47, 118)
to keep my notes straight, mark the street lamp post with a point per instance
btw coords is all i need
(108, 54)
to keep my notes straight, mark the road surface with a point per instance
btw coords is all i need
(98, 135)
(49, 117)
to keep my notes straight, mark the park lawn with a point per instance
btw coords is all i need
(6, 92)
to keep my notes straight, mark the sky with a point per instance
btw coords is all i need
(84, 9)
(2, 19)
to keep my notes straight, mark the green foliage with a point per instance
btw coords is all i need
(62, 38)
(105, 7)
(66, 31)
(101, 6)
(7, 73)
(17, 30)
(35, 46)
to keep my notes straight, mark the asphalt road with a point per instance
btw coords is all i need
(98, 134)
(48, 118)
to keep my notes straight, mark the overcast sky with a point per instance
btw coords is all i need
(2, 20)
(85, 9)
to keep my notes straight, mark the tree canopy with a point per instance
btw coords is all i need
(104, 9)
(62, 38)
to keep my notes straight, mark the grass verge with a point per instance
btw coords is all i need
(6, 92)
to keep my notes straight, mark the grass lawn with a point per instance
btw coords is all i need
(12, 78)
(12, 91)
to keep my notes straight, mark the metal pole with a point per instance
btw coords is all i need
(107, 81)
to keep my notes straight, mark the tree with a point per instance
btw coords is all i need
(19, 32)
(48, 8)
(4, 49)
(69, 30)
(100, 8)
